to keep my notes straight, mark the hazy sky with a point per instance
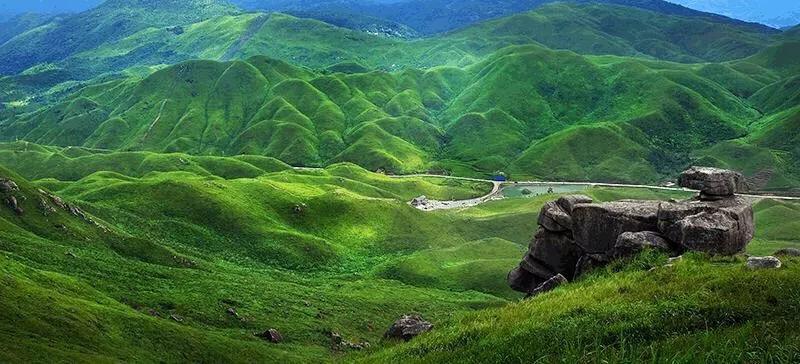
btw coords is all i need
(770, 12)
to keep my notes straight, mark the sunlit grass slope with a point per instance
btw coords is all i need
(696, 310)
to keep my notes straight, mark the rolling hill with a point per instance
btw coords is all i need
(517, 110)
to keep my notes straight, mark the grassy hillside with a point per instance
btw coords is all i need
(695, 310)
(305, 252)
(516, 110)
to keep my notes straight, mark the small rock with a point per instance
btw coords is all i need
(271, 335)
(548, 285)
(71, 255)
(232, 312)
(788, 252)
(13, 204)
(420, 201)
(176, 318)
(45, 207)
(675, 259)
(7, 185)
(407, 327)
(763, 263)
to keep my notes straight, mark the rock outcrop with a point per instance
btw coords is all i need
(576, 235)
(408, 327)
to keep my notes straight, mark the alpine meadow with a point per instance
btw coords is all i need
(399, 181)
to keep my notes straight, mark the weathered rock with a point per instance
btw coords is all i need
(630, 243)
(537, 268)
(713, 182)
(521, 280)
(45, 207)
(407, 327)
(558, 252)
(549, 285)
(590, 262)
(597, 226)
(553, 218)
(7, 185)
(787, 252)
(419, 201)
(763, 263)
(13, 204)
(567, 203)
(271, 335)
(718, 227)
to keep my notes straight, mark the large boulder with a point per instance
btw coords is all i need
(407, 327)
(723, 227)
(558, 252)
(713, 182)
(596, 227)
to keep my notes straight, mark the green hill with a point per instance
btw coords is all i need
(502, 113)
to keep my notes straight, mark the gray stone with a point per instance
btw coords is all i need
(630, 243)
(597, 226)
(558, 252)
(567, 203)
(407, 327)
(419, 201)
(271, 335)
(549, 285)
(763, 263)
(722, 227)
(553, 218)
(788, 252)
(13, 204)
(535, 267)
(521, 280)
(713, 181)
(7, 185)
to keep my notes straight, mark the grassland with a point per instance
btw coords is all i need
(306, 252)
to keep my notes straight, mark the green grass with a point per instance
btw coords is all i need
(352, 259)
(699, 309)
